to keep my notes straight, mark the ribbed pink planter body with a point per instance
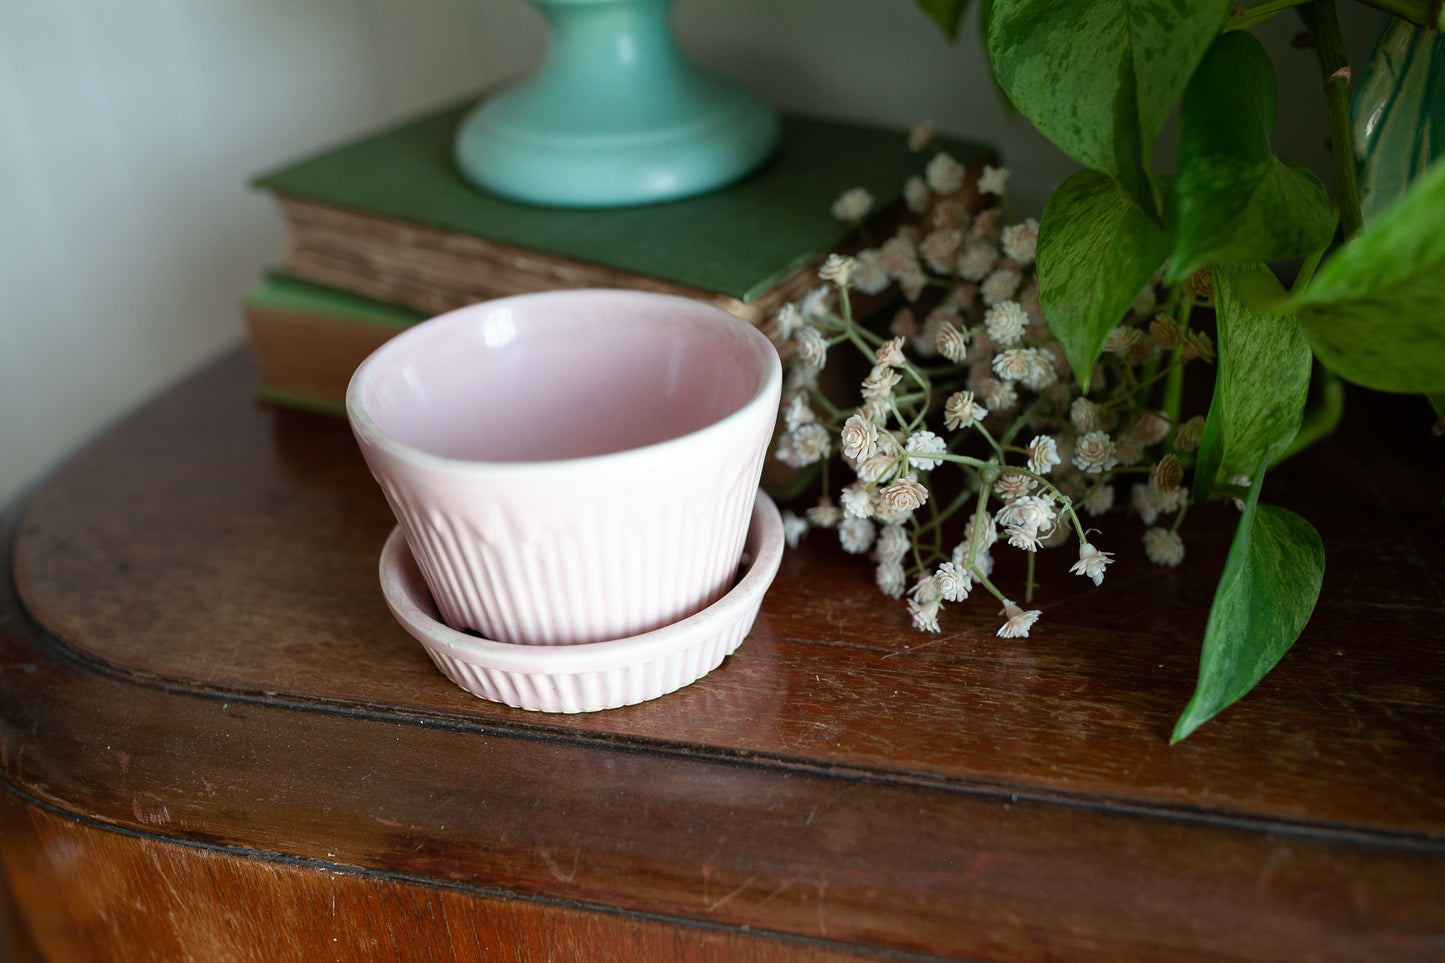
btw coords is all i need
(571, 466)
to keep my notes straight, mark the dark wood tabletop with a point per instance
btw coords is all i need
(216, 743)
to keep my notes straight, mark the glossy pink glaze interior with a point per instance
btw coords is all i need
(542, 379)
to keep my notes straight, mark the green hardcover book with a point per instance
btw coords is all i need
(388, 216)
(308, 339)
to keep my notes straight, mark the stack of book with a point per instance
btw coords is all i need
(383, 233)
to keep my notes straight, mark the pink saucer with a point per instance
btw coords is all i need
(594, 675)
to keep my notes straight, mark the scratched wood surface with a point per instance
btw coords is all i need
(195, 653)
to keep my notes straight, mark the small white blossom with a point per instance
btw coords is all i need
(880, 382)
(1189, 433)
(998, 395)
(939, 248)
(1033, 513)
(797, 412)
(825, 514)
(952, 342)
(855, 535)
(892, 544)
(838, 269)
(1020, 537)
(817, 302)
(925, 614)
(917, 195)
(953, 582)
(993, 180)
(1122, 340)
(977, 259)
(1164, 547)
(890, 353)
(1166, 332)
(853, 205)
(879, 467)
(960, 411)
(1000, 285)
(794, 528)
(788, 318)
(905, 494)
(899, 256)
(890, 579)
(869, 274)
(859, 437)
(922, 443)
(856, 500)
(1091, 563)
(1144, 301)
(944, 174)
(1011, 485)
(812, 347)
(1150, 429)
(982, 561)
(1100, 500)
(1019, 621)
(1020, 241)
(1043, 454)
(1084, 414)
(1006, 323)
(1094, 452)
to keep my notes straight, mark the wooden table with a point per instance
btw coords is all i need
(215, 742)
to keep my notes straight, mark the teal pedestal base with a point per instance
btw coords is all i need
(614, 117)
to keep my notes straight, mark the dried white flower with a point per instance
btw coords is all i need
(838, 269)
(1189, 433)
(857, 500)
(944, 174)
(1164, 547)
(917, 195)
(993, 180)
(1011, 485)
(825, 514)
(905, 494)
(1127, 450)
(806, 444)
(1001, 285)
(879, 467)
(1094, 452)
(1006, 323)
(1166, 332)
(853, 205)
(798, 412)
(855, 535)
(892, 544)
(925, 614)
(1091, 563)
(812, 347)
(1019, 621)
(1084, 415)
(890, 353)
(1150, 429)
(869, 274)
(953, 582)
(960, 411)
(1043, 454)
(817, 302)
(1122, 340)
(788, 319)
(859, 437)
(952, 342)
(1032, 513)
(794, 528)
(982, 561)
(1198, 345)
(1020, 241)
(880, 382)
(939, 247)
(1166, 475)
(977, 259)
(1030, 367)
(1020, 537)
(890, 579)
(922, 443)
(997, 395)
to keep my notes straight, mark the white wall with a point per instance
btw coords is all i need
(129, 130)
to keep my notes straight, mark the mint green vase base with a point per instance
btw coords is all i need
(606, 150)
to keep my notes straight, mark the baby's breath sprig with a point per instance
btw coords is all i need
(975, 405)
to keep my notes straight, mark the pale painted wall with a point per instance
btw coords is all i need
(129, 129)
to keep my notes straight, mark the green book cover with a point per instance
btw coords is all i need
(738, 241)
(279, 291)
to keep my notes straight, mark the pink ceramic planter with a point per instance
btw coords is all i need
(571, 466)
(591, 676)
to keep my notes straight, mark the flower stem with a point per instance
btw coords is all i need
(1323, 22)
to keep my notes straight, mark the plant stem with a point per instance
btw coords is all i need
(1324, 23)
(1247, 18)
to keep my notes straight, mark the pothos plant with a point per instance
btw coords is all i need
(1365, 302)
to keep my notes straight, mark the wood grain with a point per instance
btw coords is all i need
(198, 653)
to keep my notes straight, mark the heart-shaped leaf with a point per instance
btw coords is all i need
(1236, 201)
(1260, 385)
(1099, 78)
(1096, 251)
(1270, 583)
(1375, 312)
